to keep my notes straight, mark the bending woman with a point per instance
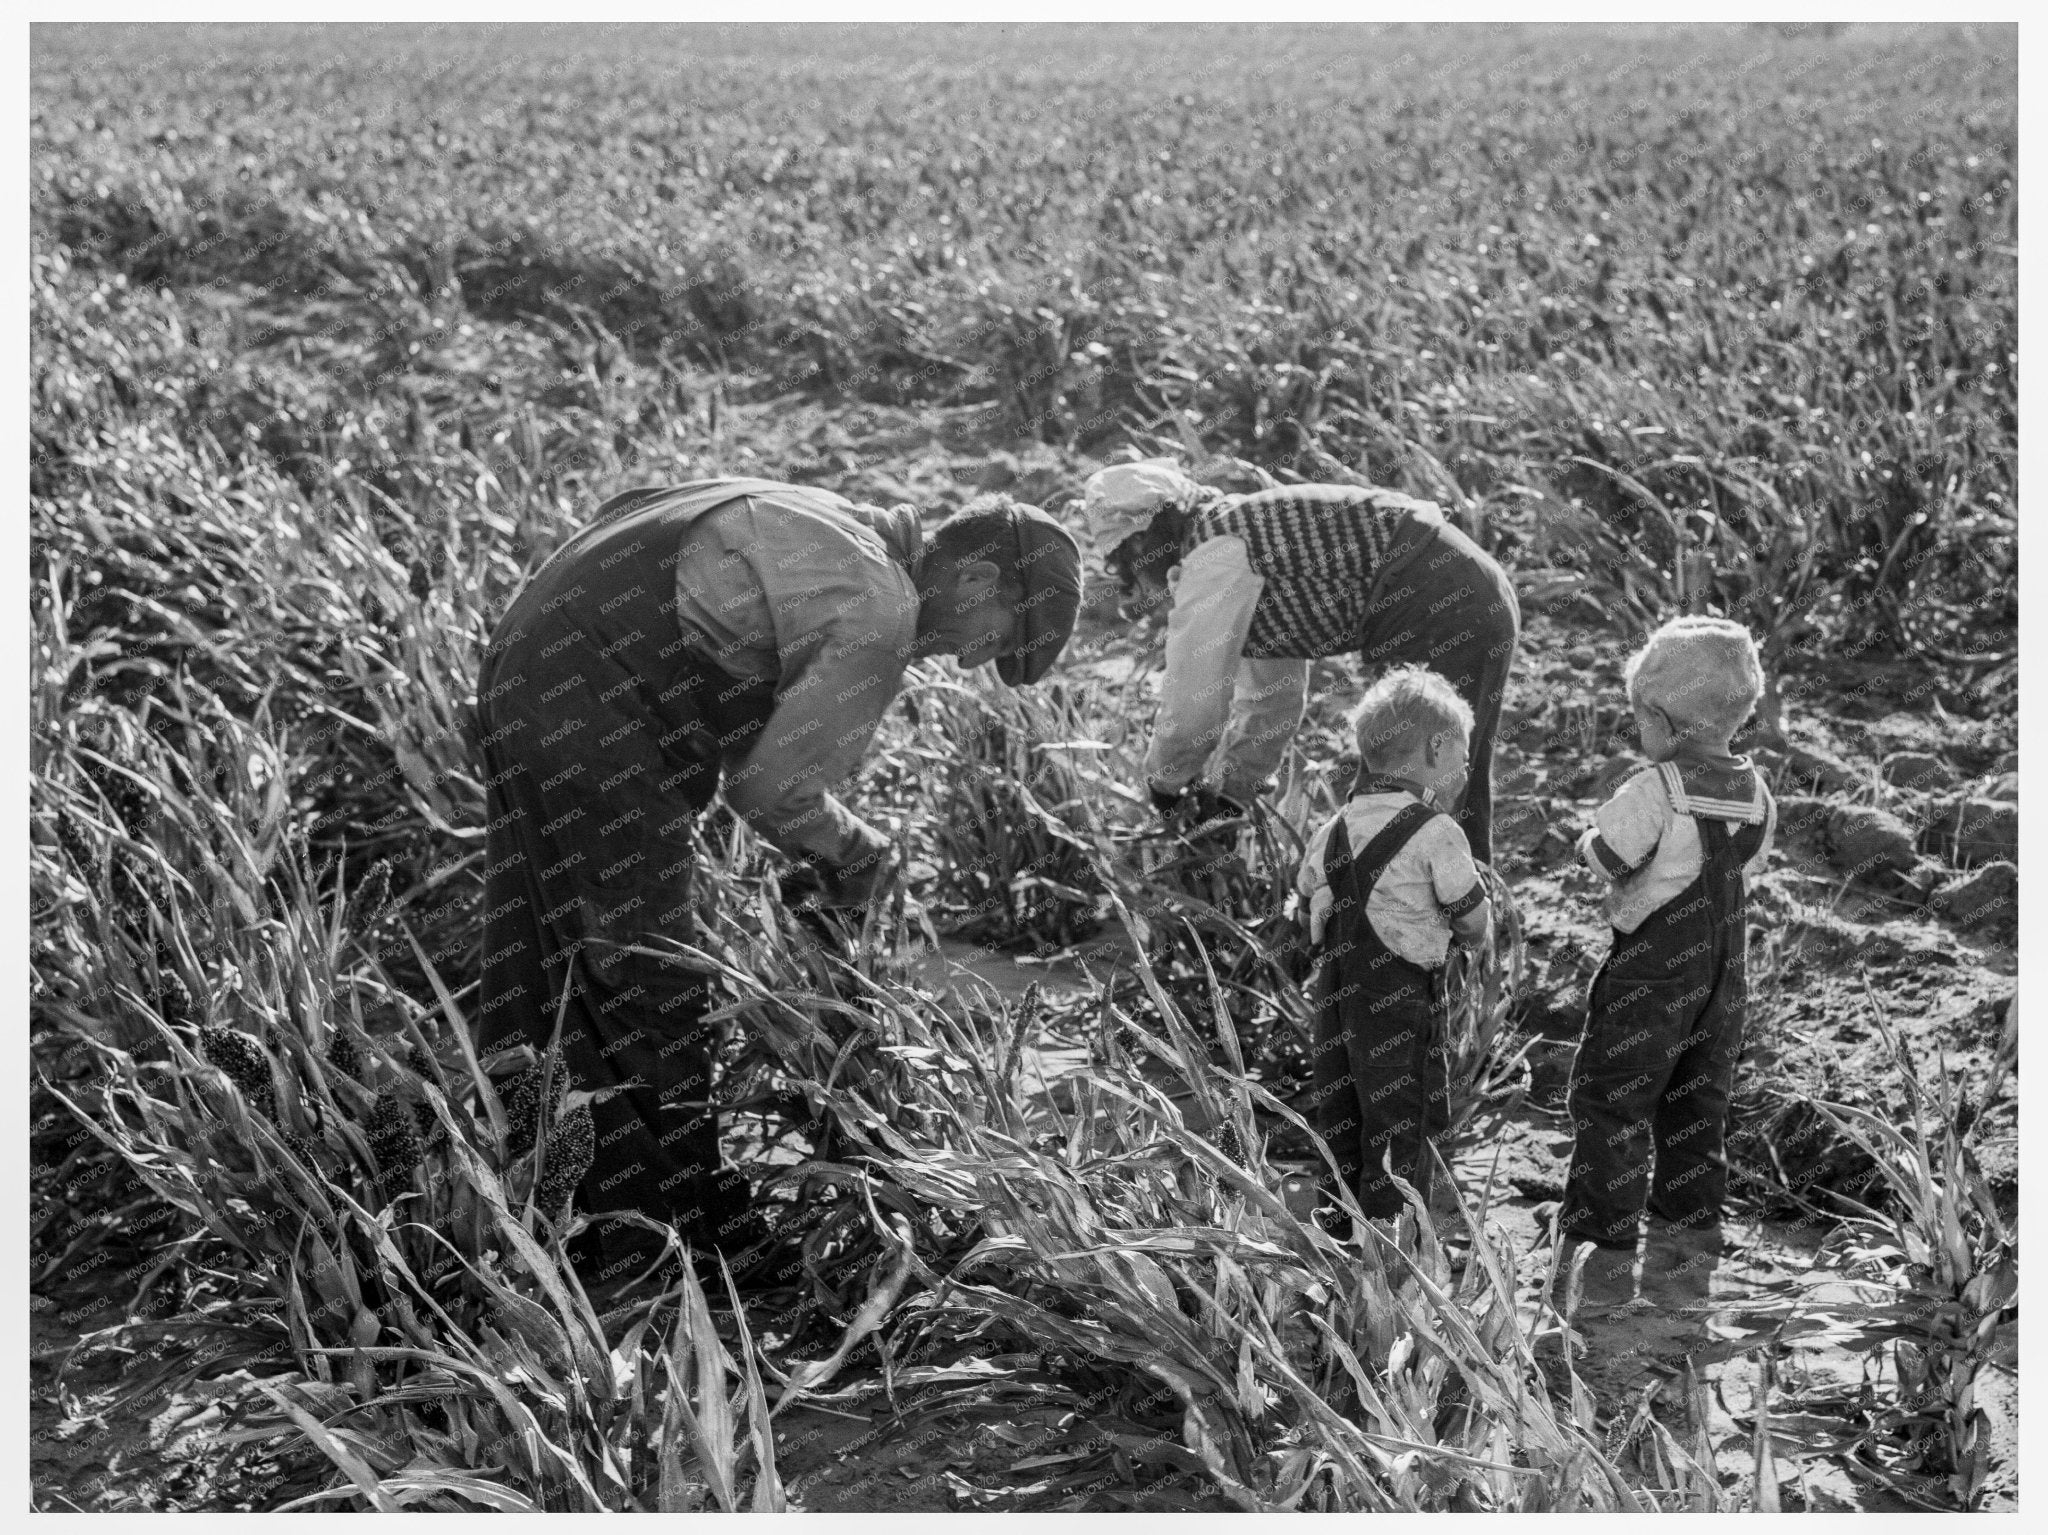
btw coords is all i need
(1261, 584)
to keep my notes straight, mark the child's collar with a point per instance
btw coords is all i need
(1695, 753)
(1387, 783)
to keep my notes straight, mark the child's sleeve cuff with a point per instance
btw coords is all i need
(1464, 903)
(1603, 859)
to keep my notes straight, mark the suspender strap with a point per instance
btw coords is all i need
(703, 495)
(690, 501)
(1385, 846)
(1721, 871)
(1730, 830)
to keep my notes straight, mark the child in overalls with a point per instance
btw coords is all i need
(1656, 1066)
(1386, 885)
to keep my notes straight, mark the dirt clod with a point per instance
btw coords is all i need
(998, 473)
(1812, 769)
(1986, 898)
(1863, 840)
(1916, 770)
(1971, 831)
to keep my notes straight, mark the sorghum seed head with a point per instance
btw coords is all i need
(173, 999)
(433, 1133)
(343, 1055)
(422, 1063)
(394, 1137)
(243, 1062)
(303, 1147)
(129, 800)
(571, 1146)
(137, 888)
(373, 893)
(71, 837)
(523, 1103)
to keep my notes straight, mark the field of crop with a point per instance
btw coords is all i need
(336, 332)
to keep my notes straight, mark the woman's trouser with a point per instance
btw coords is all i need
(1445, 603)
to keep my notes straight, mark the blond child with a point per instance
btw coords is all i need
(1656, 1064)
(1386, 885)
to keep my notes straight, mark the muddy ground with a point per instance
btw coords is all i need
(1908, 935)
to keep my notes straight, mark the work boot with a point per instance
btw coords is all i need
(1672, 1242)
(1679, 1260)
(1609, 1280)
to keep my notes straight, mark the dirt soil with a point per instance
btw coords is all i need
(1832, 949)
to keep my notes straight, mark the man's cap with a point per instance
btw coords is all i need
(1049, 566)
(1124, 498)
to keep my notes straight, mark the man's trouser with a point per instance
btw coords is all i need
(1656, 1067)
(1381, 1079)
(1442, 602)
(589, 865)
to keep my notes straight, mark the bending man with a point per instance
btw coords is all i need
(735, 629)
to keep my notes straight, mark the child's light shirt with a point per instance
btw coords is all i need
(1646, 839)
(1430, 881)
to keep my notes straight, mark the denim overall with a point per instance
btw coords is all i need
(603, 739)
(1381, 1078)
(1657, 1064)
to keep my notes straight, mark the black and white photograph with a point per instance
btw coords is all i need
(1037, 766)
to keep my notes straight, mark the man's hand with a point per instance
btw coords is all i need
(1209, 805)
(1166, 801)
(1195, 810)
(802, 887)
(812, 886)
(860, 884)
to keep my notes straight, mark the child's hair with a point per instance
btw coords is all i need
(1403, 710)
(1704, 673)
